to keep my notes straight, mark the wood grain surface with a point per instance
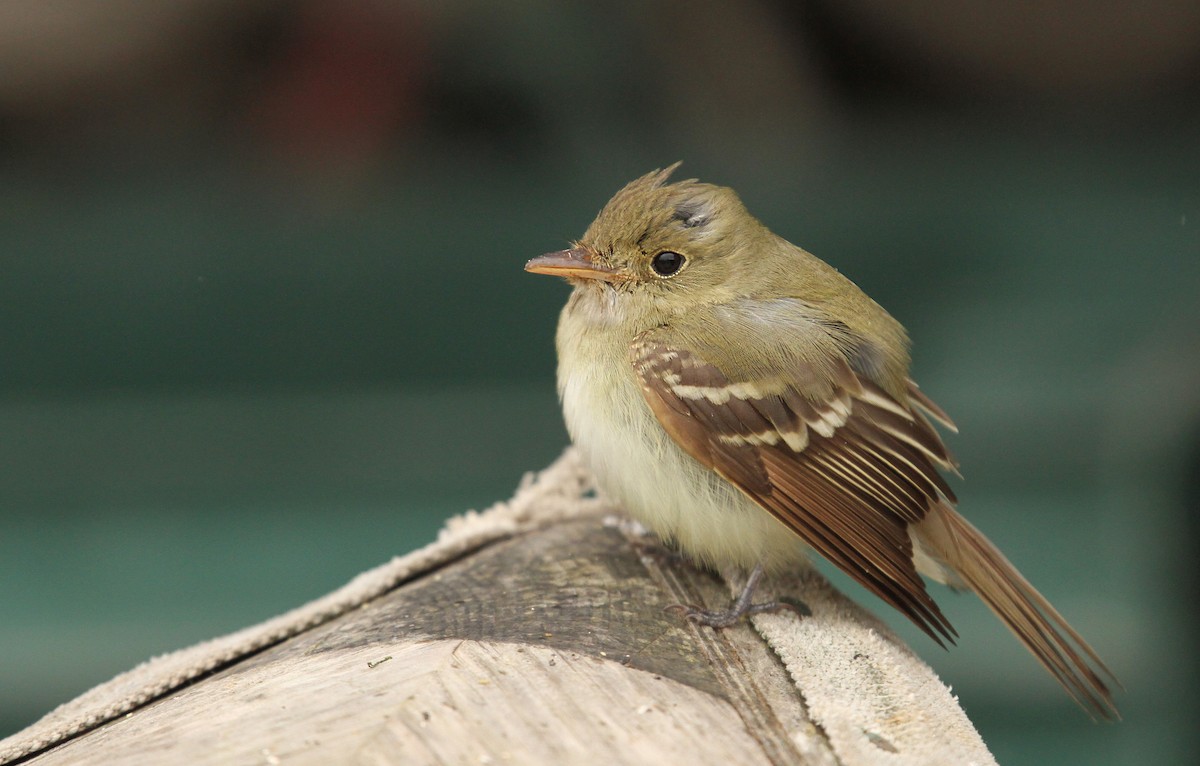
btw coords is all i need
(549, 648)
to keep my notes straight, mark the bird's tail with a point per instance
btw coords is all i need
(965, 557)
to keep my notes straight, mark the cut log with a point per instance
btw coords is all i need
(534, 633)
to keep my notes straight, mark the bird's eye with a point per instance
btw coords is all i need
(666, 263)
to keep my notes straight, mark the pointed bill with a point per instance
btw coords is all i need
(576, 263)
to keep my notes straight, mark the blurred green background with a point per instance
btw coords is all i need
(264, 323)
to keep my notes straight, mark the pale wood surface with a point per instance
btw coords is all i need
(529, 641)
(549, 648)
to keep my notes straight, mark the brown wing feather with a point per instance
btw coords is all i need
(852, 471)
(848, 473)
(918, 397)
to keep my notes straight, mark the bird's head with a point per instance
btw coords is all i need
(657, 249)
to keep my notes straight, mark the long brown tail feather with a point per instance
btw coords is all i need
(1038, 625)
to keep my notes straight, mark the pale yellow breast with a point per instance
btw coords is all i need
(638, 465)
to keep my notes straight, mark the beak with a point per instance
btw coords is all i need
(575, 263)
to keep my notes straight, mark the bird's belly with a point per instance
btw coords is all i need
(636, 463)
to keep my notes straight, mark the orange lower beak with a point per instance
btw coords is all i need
(574, 263)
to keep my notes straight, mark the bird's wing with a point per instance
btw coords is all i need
(827, 451)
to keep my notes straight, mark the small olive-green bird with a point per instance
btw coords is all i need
(742, 398)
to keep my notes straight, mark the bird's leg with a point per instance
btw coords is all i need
(741, 607)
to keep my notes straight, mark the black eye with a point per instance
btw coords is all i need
(666, 263)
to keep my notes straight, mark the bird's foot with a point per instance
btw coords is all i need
(741, 608)
(732, 616)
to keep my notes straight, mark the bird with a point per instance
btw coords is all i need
(748, 403)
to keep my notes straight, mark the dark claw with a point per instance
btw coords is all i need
(741, 607)
(682, 609)
(729, 617)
